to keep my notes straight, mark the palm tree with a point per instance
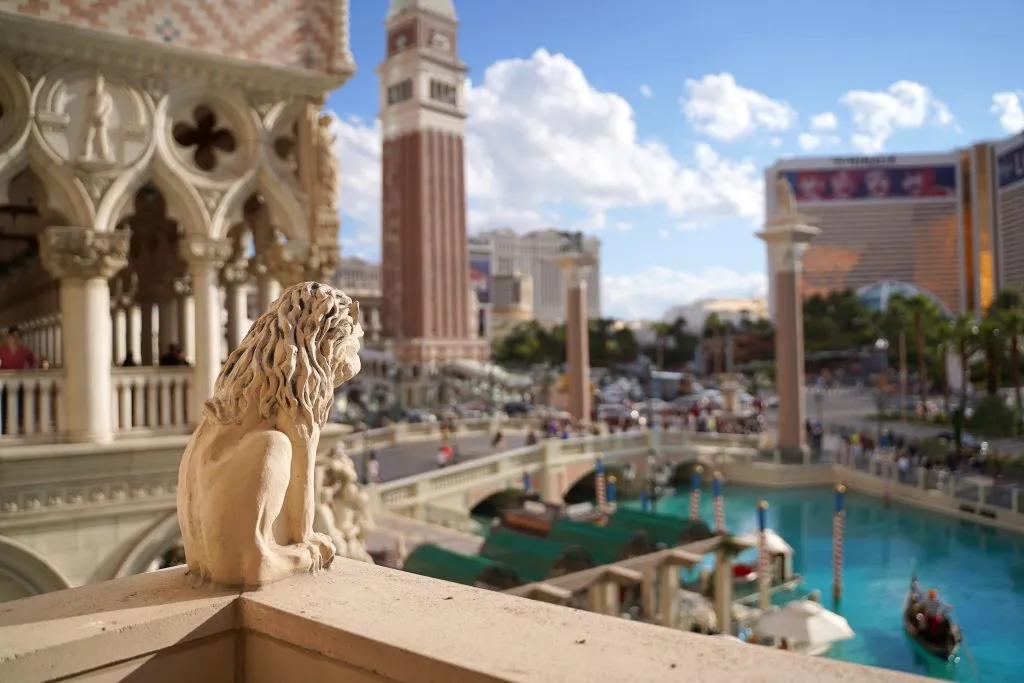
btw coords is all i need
(662, 335)
(924, 312)
(1012, 323)
(964, 334)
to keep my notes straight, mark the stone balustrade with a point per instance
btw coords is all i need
(360, 623)
(150, 398)
(30, 405)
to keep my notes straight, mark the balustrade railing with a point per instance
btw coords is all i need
(30, 404)
(151, 398)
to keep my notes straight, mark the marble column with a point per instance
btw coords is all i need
(723, 590)
(236, 301)
(119, 323)
(84, 261)
(574, 267)
(268, 290)
(205, 257)
(787, 236)
(186, 317)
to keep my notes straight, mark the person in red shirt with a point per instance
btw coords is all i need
(14, 355)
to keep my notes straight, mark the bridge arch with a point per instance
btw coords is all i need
(160, 537)
(27, 573)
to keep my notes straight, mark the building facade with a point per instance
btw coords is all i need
(532, 255)
(1007, 172)
(950, 225)
(426, 308)
(881, 218)
(157, 160)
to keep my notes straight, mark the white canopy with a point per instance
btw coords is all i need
(804, 621)
(775, 544)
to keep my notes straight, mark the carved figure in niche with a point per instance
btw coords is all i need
(573, 242)
(95, 143)
(328, 171)
(785, 199)
(246, 484)
(343, 512)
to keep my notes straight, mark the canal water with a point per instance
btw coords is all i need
(980, 571)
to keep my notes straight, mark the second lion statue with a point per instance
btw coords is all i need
(246, 485)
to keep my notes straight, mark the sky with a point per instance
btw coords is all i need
(649, 123)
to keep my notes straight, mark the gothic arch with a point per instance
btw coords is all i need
(16, 95)
(161, 536)
(65, 194)
(30, 568)
(286, 213)
(184, 205)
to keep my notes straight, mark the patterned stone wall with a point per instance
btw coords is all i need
(291, 33)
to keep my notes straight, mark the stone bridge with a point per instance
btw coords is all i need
(72, 514)
(555, 467)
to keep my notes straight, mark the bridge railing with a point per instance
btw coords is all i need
(375, 439)
(410, 494)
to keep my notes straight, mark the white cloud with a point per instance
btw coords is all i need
(541, 138)
(812, 141)
(1008, 106)
(717, 106)
(775, 142)
(824, 121)
(877, 115)
(649, 293)
(646, 91)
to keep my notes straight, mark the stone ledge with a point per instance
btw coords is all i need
(370, 624)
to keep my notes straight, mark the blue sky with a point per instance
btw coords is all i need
(649, 123)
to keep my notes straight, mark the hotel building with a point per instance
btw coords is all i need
(949, 224)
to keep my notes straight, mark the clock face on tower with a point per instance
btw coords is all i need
(440, 41)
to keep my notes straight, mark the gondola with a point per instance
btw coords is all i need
(941, 639)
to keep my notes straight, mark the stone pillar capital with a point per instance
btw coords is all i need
(574, 267)
(235, 272)
(84, 254)
(204, 251)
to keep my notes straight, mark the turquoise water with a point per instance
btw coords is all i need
(977, 569)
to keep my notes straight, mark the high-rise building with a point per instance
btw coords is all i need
(889, 217)
(424, 278)
(1007, 172)
(949, 225)
(532, 255)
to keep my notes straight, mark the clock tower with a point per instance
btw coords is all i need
(425, 254)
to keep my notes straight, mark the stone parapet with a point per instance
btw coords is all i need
(358, 622)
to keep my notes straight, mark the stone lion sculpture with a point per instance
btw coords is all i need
(343, 510)
(246, 485)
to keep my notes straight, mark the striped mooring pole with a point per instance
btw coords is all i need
(695, 492)
(838, 520)
(612, 485)
(763, 561)
(600, 486)
(716, 491)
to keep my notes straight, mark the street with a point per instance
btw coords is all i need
(404, 460)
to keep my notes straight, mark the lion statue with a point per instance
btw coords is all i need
(246, 485)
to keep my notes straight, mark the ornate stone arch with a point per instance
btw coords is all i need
(159, 538)
(30, 568)
(225, 134)
(15, 124)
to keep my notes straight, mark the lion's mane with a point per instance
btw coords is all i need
(290, 358)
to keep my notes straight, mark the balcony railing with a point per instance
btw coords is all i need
(357, 622)
(150, 398)
(30, 405)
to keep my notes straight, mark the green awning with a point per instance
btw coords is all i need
(470, 570)
(606, 544)
(664, 530)
(534, 559)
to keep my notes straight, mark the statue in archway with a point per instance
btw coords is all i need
(95, 143)
(327, 169)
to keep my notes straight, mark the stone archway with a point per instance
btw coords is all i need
(154, 548)
(24, 572)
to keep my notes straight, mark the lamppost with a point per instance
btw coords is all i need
(882, 347)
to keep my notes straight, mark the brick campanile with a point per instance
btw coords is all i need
(787, 235)
(425, 254)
